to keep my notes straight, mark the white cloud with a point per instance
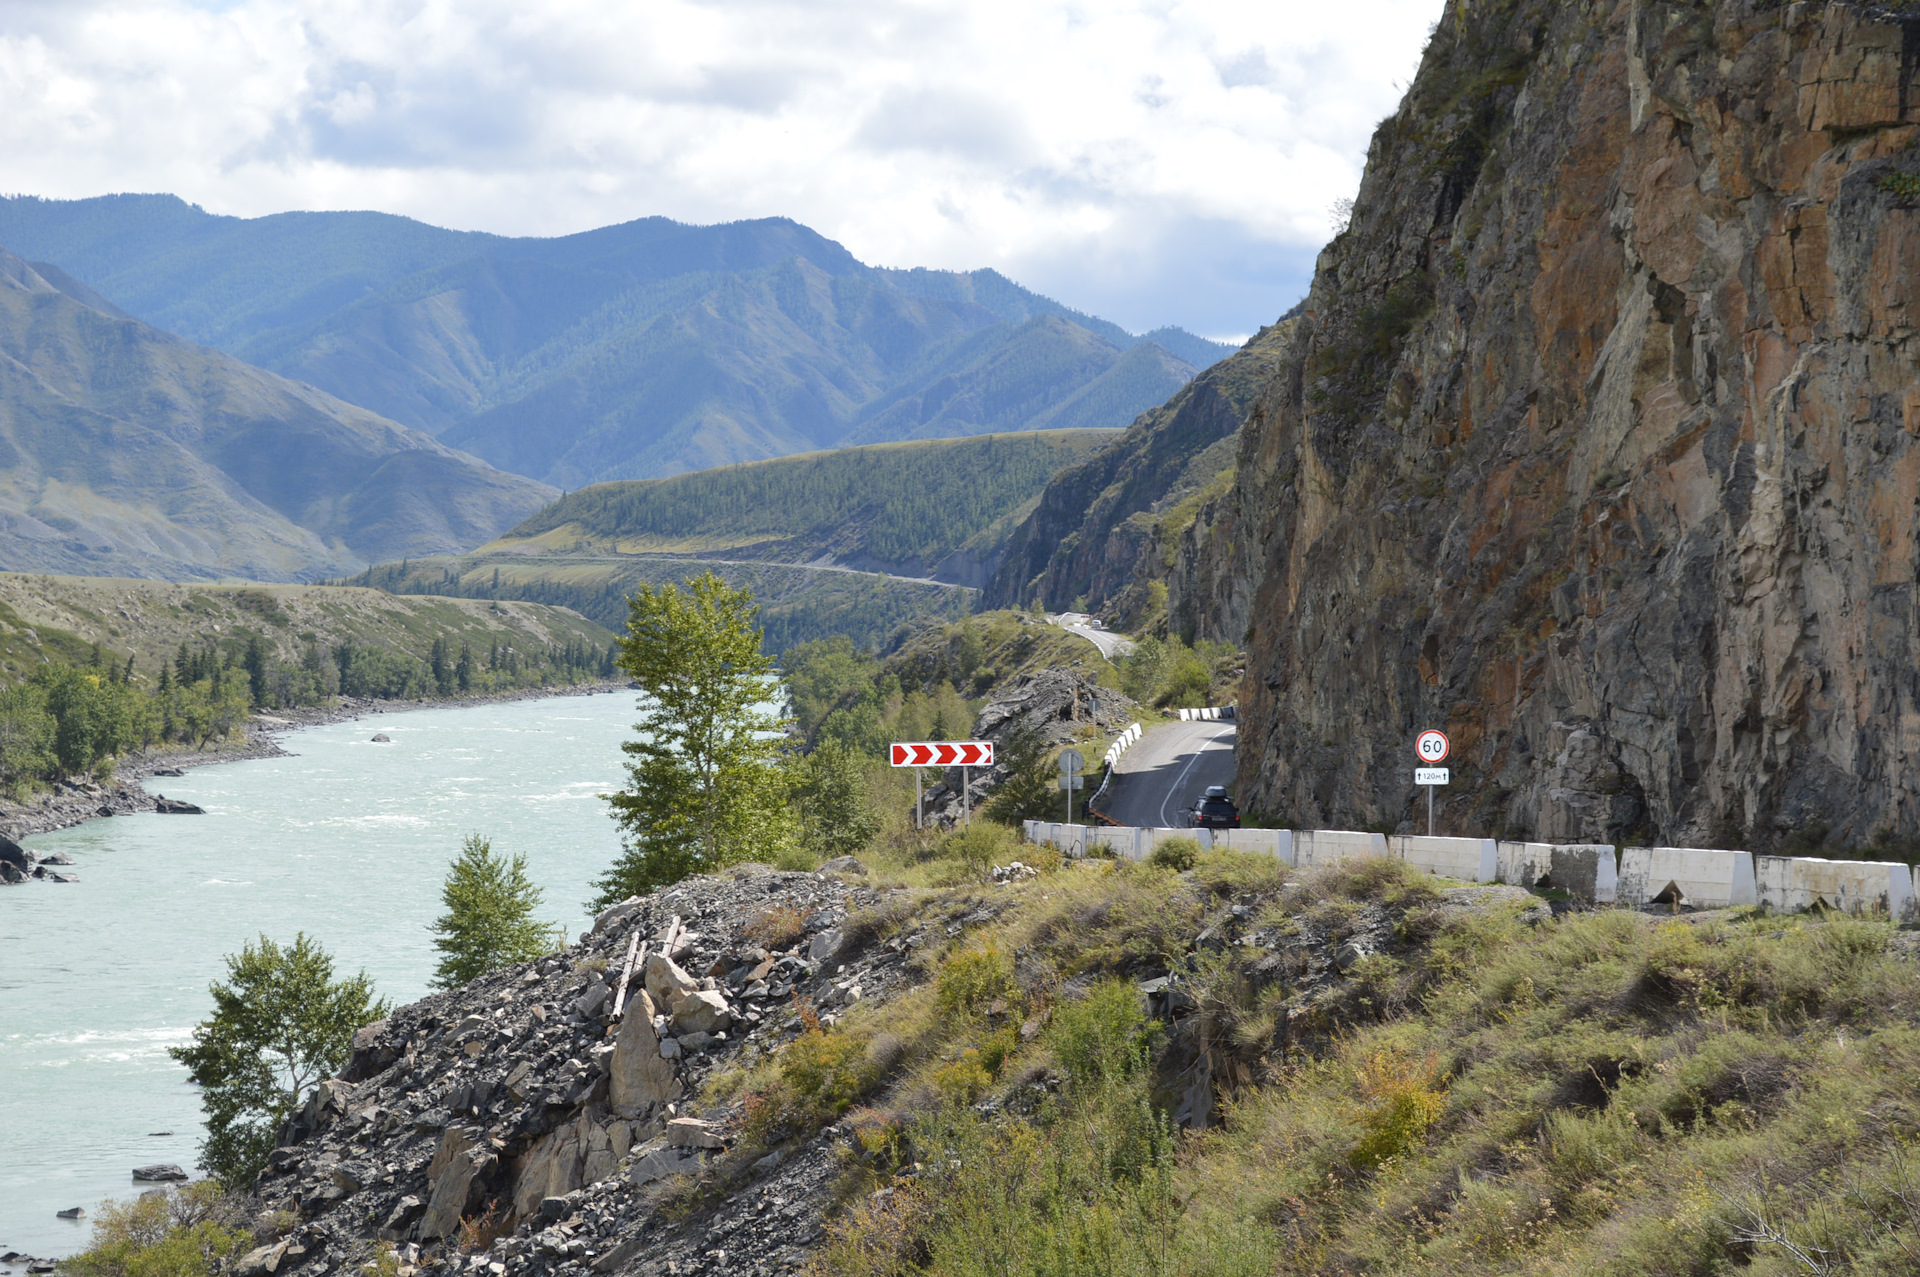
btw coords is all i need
(1154, 161)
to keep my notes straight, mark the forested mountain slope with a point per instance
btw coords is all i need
(637, 350)
(125, 450)
(939, 509)
(1596, 444)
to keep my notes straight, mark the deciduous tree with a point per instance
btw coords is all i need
(489, 921)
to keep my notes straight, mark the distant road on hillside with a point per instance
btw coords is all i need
(1109, 643)
(1163, 775)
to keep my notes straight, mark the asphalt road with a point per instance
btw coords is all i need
(1109, 643)
(1165, 772)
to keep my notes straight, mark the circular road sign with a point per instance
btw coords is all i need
(1071, 762)
(1432, 747)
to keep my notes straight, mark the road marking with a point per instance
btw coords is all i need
(1211, 742)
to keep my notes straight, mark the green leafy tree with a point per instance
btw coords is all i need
(1031, 789)
(830, 794)
(489, 921)
(704, 789)
(256, 663)
(280, 1023)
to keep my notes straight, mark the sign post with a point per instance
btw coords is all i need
(1070, 764)
(1431, 748)
(966, 754)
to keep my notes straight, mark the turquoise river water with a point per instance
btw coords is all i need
(347, 840)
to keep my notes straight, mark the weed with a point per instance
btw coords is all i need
(1177, 854)
(478, 1232)
(1400, 1099)
(971, 978)
(777, 927)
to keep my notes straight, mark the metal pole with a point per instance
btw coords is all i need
(919, 815)
(1430, 811)
(966, 797)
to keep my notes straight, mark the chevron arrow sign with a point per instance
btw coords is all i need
(947, 753)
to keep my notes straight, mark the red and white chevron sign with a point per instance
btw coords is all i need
(944, 753)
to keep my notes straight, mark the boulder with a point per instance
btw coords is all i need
(551, 1168)
(57, 858)
(174, 807)
(662, 1162)
(843, 865)
(71, 1212)
(10, 872)
(262, 1260)
(825, 945)
(167, 771)
(160, 1173)
(381, 738)
(589, 1003)
(666, 982)
(455, 1173)
(638, 1074)
(12, 853)
(615, 914)
(701, 1012)
(691, 1132)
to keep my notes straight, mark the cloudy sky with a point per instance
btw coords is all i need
(1150, 161)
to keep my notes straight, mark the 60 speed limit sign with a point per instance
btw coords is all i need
(1432, 747)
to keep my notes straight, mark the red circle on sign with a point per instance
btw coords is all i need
(1432, 747)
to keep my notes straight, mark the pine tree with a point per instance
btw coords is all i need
(489, 921)
(463, 670)
(256, 664)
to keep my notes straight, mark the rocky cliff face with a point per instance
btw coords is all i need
(1598, 444)
(1102, 528)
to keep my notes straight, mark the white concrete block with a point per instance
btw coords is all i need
(1705, 879)
(1468, 859)
(1584, 870)
(1795, 883)
(1324, 846)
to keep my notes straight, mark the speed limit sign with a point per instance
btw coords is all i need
(1432, 747)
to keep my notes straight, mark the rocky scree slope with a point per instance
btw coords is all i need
(516, 1126)
(1597, 441)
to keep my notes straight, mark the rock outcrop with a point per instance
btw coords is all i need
(1598, 441)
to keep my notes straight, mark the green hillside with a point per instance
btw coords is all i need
(645, 349)
(130, 451)
(797, 603)
(913, 509)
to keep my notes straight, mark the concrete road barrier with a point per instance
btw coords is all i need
(1277, 843)
(1468, 859)
(1698, 877)
(1214, 713)
(1325, 846)
(1795, 883)
(1585, 871)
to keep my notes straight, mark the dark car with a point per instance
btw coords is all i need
(1215, 810)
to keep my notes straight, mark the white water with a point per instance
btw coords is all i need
(347, 840)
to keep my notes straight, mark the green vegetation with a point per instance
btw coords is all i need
(280, 1024)
(911, 504)
(1607, 1092)
(1168, 674)
(797, 604)
(489, 921)
(705, 790)
(187, 1232)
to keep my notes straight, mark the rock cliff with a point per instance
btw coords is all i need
(1598, 442)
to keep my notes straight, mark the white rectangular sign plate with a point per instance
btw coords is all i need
(1430, 775)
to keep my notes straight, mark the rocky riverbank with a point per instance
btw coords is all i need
(139, 780)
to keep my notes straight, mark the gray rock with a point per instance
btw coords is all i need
(638, 1074)
(174, 807)
(160, 1172)
(691, 1132)
(381, 738)
(661, 1163)
(590, 1002)
(701, 1012)
(666, 982)
(71, 1212)
(825, 945)
(844, 865)
(57, 858)
(12, 853)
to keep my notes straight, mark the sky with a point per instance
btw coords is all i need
(1149, 162)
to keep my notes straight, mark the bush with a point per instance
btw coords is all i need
(817, 1077)
(981, 846)
(489, 920)
(1177, 854)
(970, 979)
(1105, 1037)
(188, 1232)
(1401, 1099)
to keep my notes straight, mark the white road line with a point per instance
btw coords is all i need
(1183, 779)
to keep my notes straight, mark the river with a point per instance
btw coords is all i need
(348, 840)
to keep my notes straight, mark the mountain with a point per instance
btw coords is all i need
(632, 351)
(126, 450)
(1596, 444)
(856, 541)
(1101, 531)
(939, 509)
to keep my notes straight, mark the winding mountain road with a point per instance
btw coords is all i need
(1162, 776)
(1109, 643)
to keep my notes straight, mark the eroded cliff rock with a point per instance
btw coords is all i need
(1598, 443)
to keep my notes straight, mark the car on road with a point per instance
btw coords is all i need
(1215, 810)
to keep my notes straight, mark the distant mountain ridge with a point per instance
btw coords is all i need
(631, 351)
(126, 450)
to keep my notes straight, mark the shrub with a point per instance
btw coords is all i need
(776, 927)
(817, 1077)
(980, 846)
(1177, 854)
(971, 978)
(489, 921)
(1401, 1099)
(189, 1232)
(1105, 1037)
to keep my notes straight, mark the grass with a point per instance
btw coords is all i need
(1603, 1093)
